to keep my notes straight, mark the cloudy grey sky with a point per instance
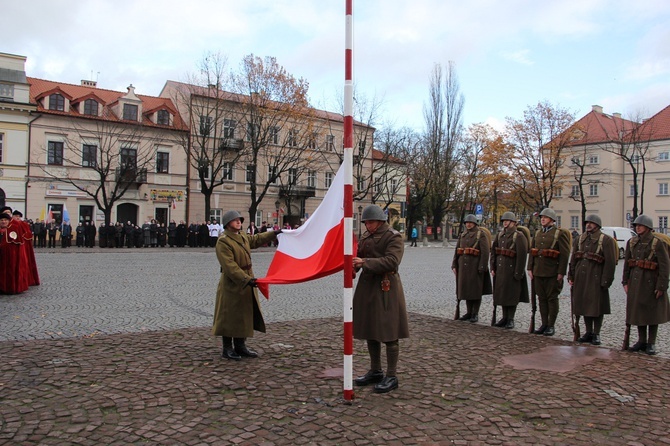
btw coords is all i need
(509, 54)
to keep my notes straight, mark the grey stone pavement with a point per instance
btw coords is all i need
(114, 348)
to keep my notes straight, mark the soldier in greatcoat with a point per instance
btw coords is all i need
(237, 312)
(471, 267)
(547, 266)
(379, 309)
(508, 268)
(591, 273)
(645, 280)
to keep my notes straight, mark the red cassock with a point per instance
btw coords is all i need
(11, 280)
(28, 254)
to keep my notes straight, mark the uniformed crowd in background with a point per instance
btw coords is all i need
(507, 257)
(150, 234)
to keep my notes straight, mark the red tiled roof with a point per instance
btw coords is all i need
(378, 155)
(658, 126)
(40, 88)
(595, 128)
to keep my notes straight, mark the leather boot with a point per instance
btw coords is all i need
(595, 340)
(549, 331)
(242, 350)
(639, 345)
(586, 338)
(371, 377)
(388, 383)
(474, 318)
(465, 317)
(501, 323)
(540, 330)
(228, 350)
(510, 324)
(651, 349)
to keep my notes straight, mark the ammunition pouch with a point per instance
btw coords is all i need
(549, 253)
(589, 256)
(459, 251)
(643, 264)
(506, 252)
(470, 251)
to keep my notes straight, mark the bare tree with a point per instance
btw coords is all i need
(586, 175)
(390, 160)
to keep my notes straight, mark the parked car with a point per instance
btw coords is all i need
(621, 235)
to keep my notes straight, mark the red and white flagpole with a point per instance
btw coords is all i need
(348, 295)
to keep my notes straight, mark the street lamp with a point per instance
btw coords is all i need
(360, 213)
(277, 214)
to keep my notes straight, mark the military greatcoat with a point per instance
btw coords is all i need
(642, 306)
(510, 285)
(473, 278)
(543, 266)
(380, 315)
(237, 312)
(592, 279)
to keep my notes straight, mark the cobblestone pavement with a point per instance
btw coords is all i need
(114, 348)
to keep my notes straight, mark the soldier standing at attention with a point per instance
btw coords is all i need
(471, 267)
(547, 265)
(645, 280)
(591, 274)
(508, 264)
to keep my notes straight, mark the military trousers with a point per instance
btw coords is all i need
(547, 290)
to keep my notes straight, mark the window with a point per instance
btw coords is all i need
(292, 176)
(631, 191)
(361, 146)
(130, 112)
(253, 130)
(7, 91)
(128, 159)
(274, 135)
(311, 143)
(328, 181)
(162, 162)
(91, 107)
(575, 191)
(594, 159)
(663, 224)
(57, 102)
(272, 174)
(2, 136)
(229, 128)
(330, 143)
(663, 156)
(311, 178)
(227, 171)
(361, 183)
(558, 222)
(574, 222)
(163, 117)
(636, 158)
(292, 140)
(251, 173)
(215, 214)
(574, 161)
(89, 155)
(662, 188)
(205, 171)
(55, 153)
(558, 192)
(593, 190)
(205, 125)
(377, 185)
(394, 186)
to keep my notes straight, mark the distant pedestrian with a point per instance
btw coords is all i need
(414, 236)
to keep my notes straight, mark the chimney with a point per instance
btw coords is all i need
(617, 115)
(597, 109)
(85, 83)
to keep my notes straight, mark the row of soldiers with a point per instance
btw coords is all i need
(546, 259)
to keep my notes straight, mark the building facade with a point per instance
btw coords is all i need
(600, 163)
(15, 117)
(94, 150)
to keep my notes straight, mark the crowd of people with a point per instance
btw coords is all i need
(18, 268)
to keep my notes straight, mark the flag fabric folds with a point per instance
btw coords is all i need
(66, 214)
(315, 249)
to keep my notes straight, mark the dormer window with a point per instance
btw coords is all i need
(57, 102)
(129, 112)
(163, 117)
(91, 107)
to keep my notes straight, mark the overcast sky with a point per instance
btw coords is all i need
(508, 54)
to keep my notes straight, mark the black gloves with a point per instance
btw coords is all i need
(252, 283)
(278, 231)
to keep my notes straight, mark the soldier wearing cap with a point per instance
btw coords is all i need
(508, 264)
(547, 266)
(471, 267)
(591, 273)
(645, 280)
(237, 312)
(379, 309)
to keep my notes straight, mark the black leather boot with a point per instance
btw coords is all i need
(651, 349)
(586, 338)
(501, 323)
(228, 350)
(388, 383)
(242, 350)
(371, 377)
(549, 331)
(510, 324)
(465, 317)
(639, 345)
(474, 318)
(540, 330)
(595, 339)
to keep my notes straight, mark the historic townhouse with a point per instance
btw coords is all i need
(607, 180)
(86, 140)
(299, 153)
(15, 117)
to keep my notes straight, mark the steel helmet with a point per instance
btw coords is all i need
(230, 216)
(593, 218)
(644, 220)
(508, 216)
(549, 212)
(471, 218)
(373, 212)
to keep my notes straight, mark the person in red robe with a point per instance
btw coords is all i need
(11, 281)
(29, 263)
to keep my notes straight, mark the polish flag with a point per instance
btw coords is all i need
(315, 249)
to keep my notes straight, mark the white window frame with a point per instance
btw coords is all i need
(248, 171)
(311, 178)
(215, 214)
(594, 159)
(328, 179)
(575, 191)
(593, 190)
(229, 126)
(662, 188)
(227, 171)
(664, 156)
(272, 170)
(330, 143)
(574, 221)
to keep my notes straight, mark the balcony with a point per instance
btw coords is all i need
(231, 144)
(129, 175)
(297, 191)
